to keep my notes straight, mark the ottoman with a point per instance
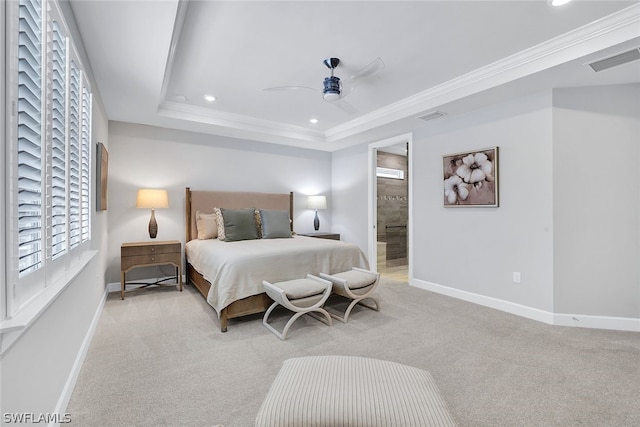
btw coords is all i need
(352, 391)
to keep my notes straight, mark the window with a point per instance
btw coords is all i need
(85, 154)
(49, 151)
(29, 141)
(74, 155)
(56, 127)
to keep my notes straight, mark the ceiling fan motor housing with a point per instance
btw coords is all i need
(331, 62)
(331, 89)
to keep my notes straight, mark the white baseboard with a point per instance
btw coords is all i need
(113, 287)
(597, 322)
(576, 320)
(70, 384)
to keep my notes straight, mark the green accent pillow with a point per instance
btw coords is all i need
(275, 224)
(239, 224)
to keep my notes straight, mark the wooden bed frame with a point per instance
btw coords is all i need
(205, 201)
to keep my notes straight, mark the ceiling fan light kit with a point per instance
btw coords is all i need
(331, 90)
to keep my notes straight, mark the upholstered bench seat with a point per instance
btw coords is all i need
(301, 288)
(356, 279)
(302, 296)
(352, 391)
(357, 285)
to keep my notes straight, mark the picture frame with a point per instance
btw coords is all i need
(470, 178)
(102, 176)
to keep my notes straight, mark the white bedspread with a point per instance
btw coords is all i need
(236, 269)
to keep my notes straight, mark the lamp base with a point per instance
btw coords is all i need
(316, 221)
(153, 225)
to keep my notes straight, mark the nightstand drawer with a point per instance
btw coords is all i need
(126, 262)
(135, 249)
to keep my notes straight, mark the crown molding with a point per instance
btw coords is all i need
(181, 14)
(252, 126)
(603, 33)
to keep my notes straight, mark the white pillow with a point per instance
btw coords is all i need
(220, 223)
(207, 225)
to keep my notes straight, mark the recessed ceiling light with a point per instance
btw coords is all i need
(559, 2)
(314, 120)
(209, 98)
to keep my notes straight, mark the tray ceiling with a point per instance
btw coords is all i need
(154, 61)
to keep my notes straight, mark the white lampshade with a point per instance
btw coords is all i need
(317, 202)
(154, 199)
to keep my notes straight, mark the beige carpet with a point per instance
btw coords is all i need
(159, 359)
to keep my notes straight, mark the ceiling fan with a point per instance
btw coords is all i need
(334, 89)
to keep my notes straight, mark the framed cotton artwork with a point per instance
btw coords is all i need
(470, 179)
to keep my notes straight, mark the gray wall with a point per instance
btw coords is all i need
(146, 156)
(349, 183)
(477, 249)
(569, 215)
(596, 153)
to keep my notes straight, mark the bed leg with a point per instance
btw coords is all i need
(224, 322)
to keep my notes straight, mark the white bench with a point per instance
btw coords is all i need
(356, 284)
(302, 296)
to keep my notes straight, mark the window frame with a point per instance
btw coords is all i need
(24, 298)
(3, 162)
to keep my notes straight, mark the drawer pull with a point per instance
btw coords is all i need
(153, 259)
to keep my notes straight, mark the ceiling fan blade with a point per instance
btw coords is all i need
(335, 90)
(282, 88)
(350, 83)
(369, 69)
(344, 106)
(347, 86)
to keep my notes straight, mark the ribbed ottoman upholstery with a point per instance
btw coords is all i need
(352, 391)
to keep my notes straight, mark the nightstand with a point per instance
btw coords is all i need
(332, 236)
(145, 254)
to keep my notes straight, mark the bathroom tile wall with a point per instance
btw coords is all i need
(393, 206)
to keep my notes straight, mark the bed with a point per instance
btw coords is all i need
(229, 274)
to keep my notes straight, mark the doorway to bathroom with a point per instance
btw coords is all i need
(390, 191)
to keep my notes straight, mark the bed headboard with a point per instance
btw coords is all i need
(205, 201)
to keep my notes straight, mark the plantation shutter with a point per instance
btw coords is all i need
(48, 151)
(74, 155)
(29, 121)
(85, 149)
(57, 123)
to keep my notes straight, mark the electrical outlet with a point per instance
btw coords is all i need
(516, 277)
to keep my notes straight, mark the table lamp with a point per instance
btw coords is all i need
(154, 199)
(317, 202)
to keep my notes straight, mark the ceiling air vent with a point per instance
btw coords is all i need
(614, 61)
(432, 115)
